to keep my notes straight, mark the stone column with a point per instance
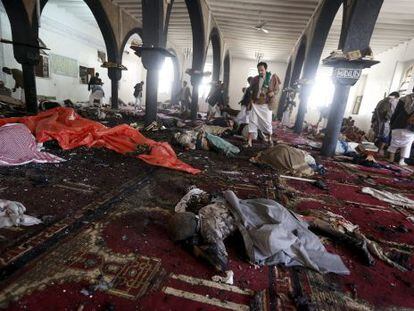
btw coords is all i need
(115, 75)
(345, 75)
(302, 109)
(152, 61)
(29, 82)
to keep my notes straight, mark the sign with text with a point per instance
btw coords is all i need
(64, 66)
(347, 73)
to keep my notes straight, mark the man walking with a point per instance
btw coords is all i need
(265, 87)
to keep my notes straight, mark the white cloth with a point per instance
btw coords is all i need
(97, 93)
(260, 118)
(403, 139)
(242, 116)
(12, 214)
(214, 111)
(261, 82)
(286, 118)
(393, 198)
(191, 195)
(273, 235)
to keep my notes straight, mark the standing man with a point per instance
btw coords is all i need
(138, 94)
(95, 80)
(265, 87)
(17, 75)
(97, 92)
(185, 97)
(243, 116)
(215, 101)
(402, 125)
(381, 118)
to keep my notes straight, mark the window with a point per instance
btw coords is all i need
(42, 69)
(85, 74)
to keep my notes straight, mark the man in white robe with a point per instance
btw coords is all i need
(265, 87)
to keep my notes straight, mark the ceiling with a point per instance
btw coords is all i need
(395, 25)
(285, 22)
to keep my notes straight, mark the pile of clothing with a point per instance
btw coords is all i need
(287, 160)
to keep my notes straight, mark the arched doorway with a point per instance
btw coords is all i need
(87, 24)
(286, 84)
(178, 30)
(136, 72)
(176, 85)
(195, 11)
(7, 57)
(215, 42)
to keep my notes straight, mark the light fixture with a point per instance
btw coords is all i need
(259, 56)
(187, 52)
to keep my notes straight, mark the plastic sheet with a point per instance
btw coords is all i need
(72, 131)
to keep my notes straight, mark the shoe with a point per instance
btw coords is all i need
(402, 163)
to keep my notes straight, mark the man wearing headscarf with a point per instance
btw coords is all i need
(402, 125)
(381, 119)
(265, 87)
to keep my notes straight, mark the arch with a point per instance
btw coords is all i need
(286, 84)
(296, 73)
(226, 73)
(317, 34)
(104, 25)
(298, 62)
(22, 31)
(195, 11)
(216, 45)
(134, 31)
(176, 87)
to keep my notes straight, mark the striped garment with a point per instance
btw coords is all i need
(18, 146)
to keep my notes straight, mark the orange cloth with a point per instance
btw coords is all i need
(71, 131)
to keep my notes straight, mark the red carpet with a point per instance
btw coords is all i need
(126, 250)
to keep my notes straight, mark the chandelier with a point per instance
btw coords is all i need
(259, 56)
(187, 52)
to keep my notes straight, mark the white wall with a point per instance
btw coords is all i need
(66, 35)
(240, 69)
(6, 51)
